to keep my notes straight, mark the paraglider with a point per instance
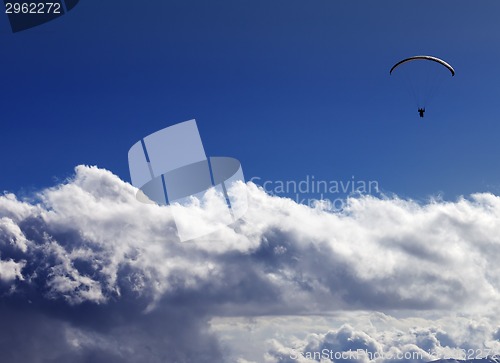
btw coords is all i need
(423, 80)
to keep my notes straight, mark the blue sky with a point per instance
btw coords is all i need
(290, 88)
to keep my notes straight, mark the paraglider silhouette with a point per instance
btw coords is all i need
(423, 85)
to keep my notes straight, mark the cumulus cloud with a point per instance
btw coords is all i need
(10, 270)
(379, 338)
(106, 276)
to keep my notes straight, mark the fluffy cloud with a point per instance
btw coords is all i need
(107, 279)
(379, 338)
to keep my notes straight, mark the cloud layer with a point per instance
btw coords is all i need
(88, 273)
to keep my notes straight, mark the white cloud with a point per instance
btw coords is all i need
(90, 243)
(10, 270)
(11, 233)
(405, 340)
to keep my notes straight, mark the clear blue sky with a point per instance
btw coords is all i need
(289, 88)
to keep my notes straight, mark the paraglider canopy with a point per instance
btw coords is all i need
(423, 57)
(422, 75)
